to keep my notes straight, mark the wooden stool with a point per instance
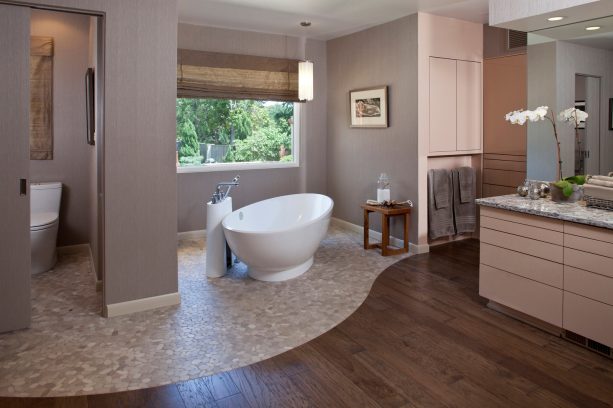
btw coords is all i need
(386, 213)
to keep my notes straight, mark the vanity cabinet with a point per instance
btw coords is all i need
(455, 106)
(557, 271)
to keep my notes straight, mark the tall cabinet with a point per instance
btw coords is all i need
(455, 105)
(450, 95)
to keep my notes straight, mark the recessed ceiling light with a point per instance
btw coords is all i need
(556, 18)
(592, 28)
(305, 23)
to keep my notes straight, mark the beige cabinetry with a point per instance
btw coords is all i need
(504, 144)
(455, 106)
(556, 271)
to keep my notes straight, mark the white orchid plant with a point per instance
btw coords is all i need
(572, 117)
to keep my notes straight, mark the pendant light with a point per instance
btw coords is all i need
(305, 80)
(305, 71)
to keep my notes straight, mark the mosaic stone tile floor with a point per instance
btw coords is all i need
(220, 325)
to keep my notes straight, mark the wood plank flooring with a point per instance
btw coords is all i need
(423, 338)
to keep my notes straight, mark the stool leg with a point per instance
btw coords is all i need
(366, 228)
(406, 232)
(385, 234)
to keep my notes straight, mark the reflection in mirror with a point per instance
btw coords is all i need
(570, 66)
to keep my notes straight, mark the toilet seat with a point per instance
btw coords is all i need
(42, 220)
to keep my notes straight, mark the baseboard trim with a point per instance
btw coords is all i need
(196, 234)
(72, 249)
(141, 305)
(413, 248)
(97, 282)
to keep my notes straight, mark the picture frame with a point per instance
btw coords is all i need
(90, 103)
(610, 113)
(368, 107)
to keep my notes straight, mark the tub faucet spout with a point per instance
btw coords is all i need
(219, 195)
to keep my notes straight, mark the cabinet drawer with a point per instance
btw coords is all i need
(533, 298)
(588, 318)
(523, 230)
(588, 284)
(505, 165)
(589, 262)
(587, 231)
(589, 245)
(503, 177)
(529, 246)
(538, 269)
(521, 218)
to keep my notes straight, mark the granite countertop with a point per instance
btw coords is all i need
(573, 212)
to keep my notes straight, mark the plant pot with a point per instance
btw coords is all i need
(558, 196)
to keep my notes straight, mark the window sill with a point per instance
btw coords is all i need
(207, 168)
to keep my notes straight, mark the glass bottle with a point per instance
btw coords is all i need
(383, 188)
(534, 191)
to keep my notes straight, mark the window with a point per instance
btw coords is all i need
(216, 133)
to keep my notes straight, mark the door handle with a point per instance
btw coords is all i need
(23, 187)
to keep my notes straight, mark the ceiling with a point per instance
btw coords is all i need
(329, 18)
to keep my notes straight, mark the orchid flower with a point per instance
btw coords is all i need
(572, 116)
(520, 117)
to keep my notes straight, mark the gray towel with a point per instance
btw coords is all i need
(467, 184)
(464, 214)
(440, 219)
(442, 190)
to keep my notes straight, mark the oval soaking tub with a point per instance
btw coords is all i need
(278, 237)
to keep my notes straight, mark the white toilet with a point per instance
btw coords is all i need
(44, 221)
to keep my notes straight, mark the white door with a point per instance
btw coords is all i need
(442, 105)
(592, 125)
(469, 96)
(14, 167)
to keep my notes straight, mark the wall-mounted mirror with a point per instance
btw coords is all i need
(571, 66)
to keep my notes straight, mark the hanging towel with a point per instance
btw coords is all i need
(464, 213)
(440, 215)
(467, 184)
(442, 190)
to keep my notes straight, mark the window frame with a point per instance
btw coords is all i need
(238, 166)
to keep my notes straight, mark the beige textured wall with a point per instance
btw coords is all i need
(195, 189)
(71, 154)
(139, 181)
(382, 55)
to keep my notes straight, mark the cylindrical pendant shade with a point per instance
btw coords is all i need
(305, 80)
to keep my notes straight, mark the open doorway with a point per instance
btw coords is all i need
(65, 150)
(587, 142)
(52, 162)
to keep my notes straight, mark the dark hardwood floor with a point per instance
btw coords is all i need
(422, 338)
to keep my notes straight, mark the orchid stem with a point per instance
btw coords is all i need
(555, 134)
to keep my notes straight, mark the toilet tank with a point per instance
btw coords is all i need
(45, 197)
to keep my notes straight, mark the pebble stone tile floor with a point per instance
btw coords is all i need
(221, 324)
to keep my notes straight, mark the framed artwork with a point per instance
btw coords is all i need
(368, 107)
(610, 113)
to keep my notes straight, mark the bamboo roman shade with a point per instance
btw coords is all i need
(41, 98)
(203, 74)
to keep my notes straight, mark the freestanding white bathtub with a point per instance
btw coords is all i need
(278, 237)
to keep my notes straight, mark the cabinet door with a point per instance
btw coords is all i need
(442, 105)
(14, 167)
(469, 119)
